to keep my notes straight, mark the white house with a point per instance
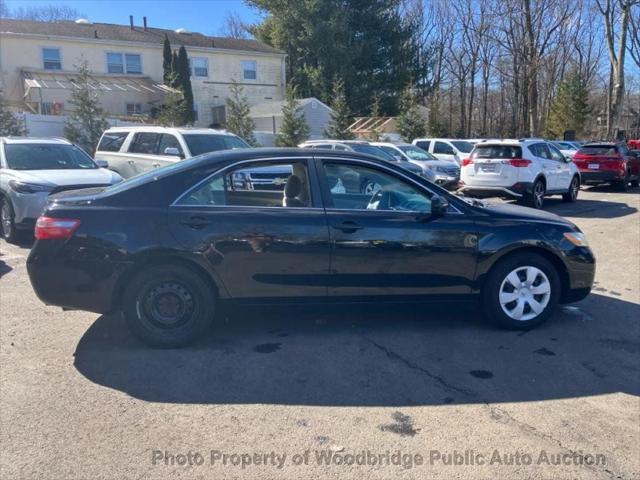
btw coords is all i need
(268, 116)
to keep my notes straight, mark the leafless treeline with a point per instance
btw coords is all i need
(494, 66)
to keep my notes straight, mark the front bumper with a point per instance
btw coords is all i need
(28, 207)
(581, 268)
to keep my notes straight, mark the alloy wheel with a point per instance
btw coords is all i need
(524, 293)
(6, 221)
(575, 187)
(538, 194)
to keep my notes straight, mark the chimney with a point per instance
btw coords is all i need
(95, 34)
(144, 21)
(131, 21)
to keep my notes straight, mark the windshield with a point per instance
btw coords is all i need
(371, 150)
(464, 147)
(200, 143)
(46, 156)
(416, 153)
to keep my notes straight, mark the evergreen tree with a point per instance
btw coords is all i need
(294, 129)
(167, 59)
(183, 74)
(10, 125)
(172, 112)
(410, 123)
(570, 107)
(437, 128)
(374, 115)
(338, 127)
(87, 122)
(238, 120)
(174, 80)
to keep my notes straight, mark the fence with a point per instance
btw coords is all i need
(53, 125)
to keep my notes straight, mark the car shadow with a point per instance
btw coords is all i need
(584, 208)
(4, 268)
(375, 357)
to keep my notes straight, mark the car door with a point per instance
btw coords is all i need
(549, 166)
(258, 247)
(564, 175)
(143, 152)
(393, 248)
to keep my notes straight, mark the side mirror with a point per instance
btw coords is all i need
(102, 163)
(439, 206)
(172, 151)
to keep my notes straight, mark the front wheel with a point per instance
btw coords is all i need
(168, 306)
(572, 193)
(521, 291)
(7, 223)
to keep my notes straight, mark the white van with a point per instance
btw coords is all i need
(133, 150)
(448, 149)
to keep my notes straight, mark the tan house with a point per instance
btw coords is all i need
(37, 67)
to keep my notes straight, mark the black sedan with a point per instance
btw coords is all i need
(166, 248)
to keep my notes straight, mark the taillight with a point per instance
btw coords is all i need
(466, 161)
(519, 162)
(55, 228)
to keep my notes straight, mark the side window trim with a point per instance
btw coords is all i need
(316, 203)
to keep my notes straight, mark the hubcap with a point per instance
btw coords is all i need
(525, 293)
(168, 305)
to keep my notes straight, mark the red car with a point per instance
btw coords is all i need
(607, 162)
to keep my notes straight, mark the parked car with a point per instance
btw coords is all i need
(445, 174)
(525, 169)
(448, 149)
(185, 243)
(130, 151)
(362, 146)
(607, 162)
(568, 149)
(31, 169)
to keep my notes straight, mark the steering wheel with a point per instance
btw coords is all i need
(385, 200)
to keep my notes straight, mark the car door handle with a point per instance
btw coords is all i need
(156, 165)
(348, 226)
(130, 162)
(197, 223)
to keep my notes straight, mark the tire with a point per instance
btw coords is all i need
(535, 199)
(498, 290)
(572, 194)
(168, 306)
(635, 183)
(622, 185)
(7, 221)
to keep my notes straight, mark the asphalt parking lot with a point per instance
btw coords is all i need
(80, 398)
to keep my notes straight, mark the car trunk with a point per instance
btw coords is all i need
(594, 158)
(490, 165)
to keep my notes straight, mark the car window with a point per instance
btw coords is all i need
(46, 156)
(443, 148)
(340, 147)
(144, 143)
(169, 141)
(416, 153)
(540, 150)
(112, 141)
(356, 187)
(464, 147)
(598, 150)
(255, 185)
(423, 144)
(556, 154)
(497, 151)
(200, 143)
(372, 150)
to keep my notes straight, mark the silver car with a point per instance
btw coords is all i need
(31, 169)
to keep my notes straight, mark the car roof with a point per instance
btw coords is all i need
(159, 129)
(27, 140)
(346, 142)
(393, 144)
(601, 144)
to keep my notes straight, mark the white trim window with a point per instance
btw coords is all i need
(51, 58)
(199, 67)
(130, 63)
(133, 109)
(249, 69)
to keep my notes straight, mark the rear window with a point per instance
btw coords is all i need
(598, 150)
(46, 156)
(497, 151)
(200, 143)
(112, 142)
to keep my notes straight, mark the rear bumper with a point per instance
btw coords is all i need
(589, 177)
(514, 191)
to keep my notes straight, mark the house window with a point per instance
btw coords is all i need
(51, 108)
(134, 109)
(51, 59)
(199, 67)
(124, 63)
(249, 69)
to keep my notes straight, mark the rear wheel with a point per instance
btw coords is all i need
(521, 291)
(622, 185)
(168, 306)
(7, 223)
(535, 199)
(572, 193)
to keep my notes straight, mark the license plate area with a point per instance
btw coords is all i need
(594, 166)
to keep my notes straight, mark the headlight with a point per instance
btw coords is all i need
(576, 238)
(23, 187)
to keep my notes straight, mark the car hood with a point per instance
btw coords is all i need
(64, 177)
(518, 212)
(435, 163)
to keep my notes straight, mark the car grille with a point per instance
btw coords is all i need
(452, 171)
(64, 188)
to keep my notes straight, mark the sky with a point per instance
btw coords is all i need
(204, 16)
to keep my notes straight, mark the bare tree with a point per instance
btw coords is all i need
(234, 27)
(634, 35)
(4, 10)
(46, 13)
(616, 15)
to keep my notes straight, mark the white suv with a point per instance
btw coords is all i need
(448, 149)
(525, 169)
(133, 150)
